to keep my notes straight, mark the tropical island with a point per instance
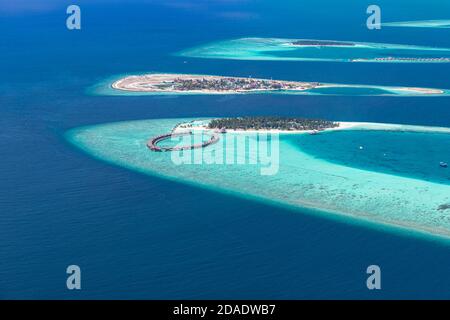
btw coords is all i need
(164, 83)
(213, 128)
(289, 49)
(323, 43)
(271, 123)
(185, 83)
(395, 197)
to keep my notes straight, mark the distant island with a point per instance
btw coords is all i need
(165, 83)
(404, 59)
(184, 83)
(419, 24)
(323, 43)
(291, 49)
(271, 123)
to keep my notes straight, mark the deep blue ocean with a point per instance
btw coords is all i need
(140, 237)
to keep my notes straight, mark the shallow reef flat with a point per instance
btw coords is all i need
(317, 50)
(153, 83)
(440, 24)
(303, 181)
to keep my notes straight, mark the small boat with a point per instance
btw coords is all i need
(314, 132)
(443, 164)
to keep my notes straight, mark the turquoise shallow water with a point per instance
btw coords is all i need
(282, 49)
(303, 180)
(373, 91)
(439, 24)
(404, 153)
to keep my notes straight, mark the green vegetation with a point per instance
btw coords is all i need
(322, 43)
(271, 122)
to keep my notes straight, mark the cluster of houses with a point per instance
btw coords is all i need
(226, 84)
(413, 59)
(442, 59)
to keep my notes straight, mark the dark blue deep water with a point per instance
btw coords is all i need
(141, 237)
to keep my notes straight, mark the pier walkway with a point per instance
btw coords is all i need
(153, 143)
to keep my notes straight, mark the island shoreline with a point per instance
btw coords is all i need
(355, 218)
(168, 83)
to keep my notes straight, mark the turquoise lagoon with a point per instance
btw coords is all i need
(282, 49)
(369, 174)
(104, 88)
(440, 24)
